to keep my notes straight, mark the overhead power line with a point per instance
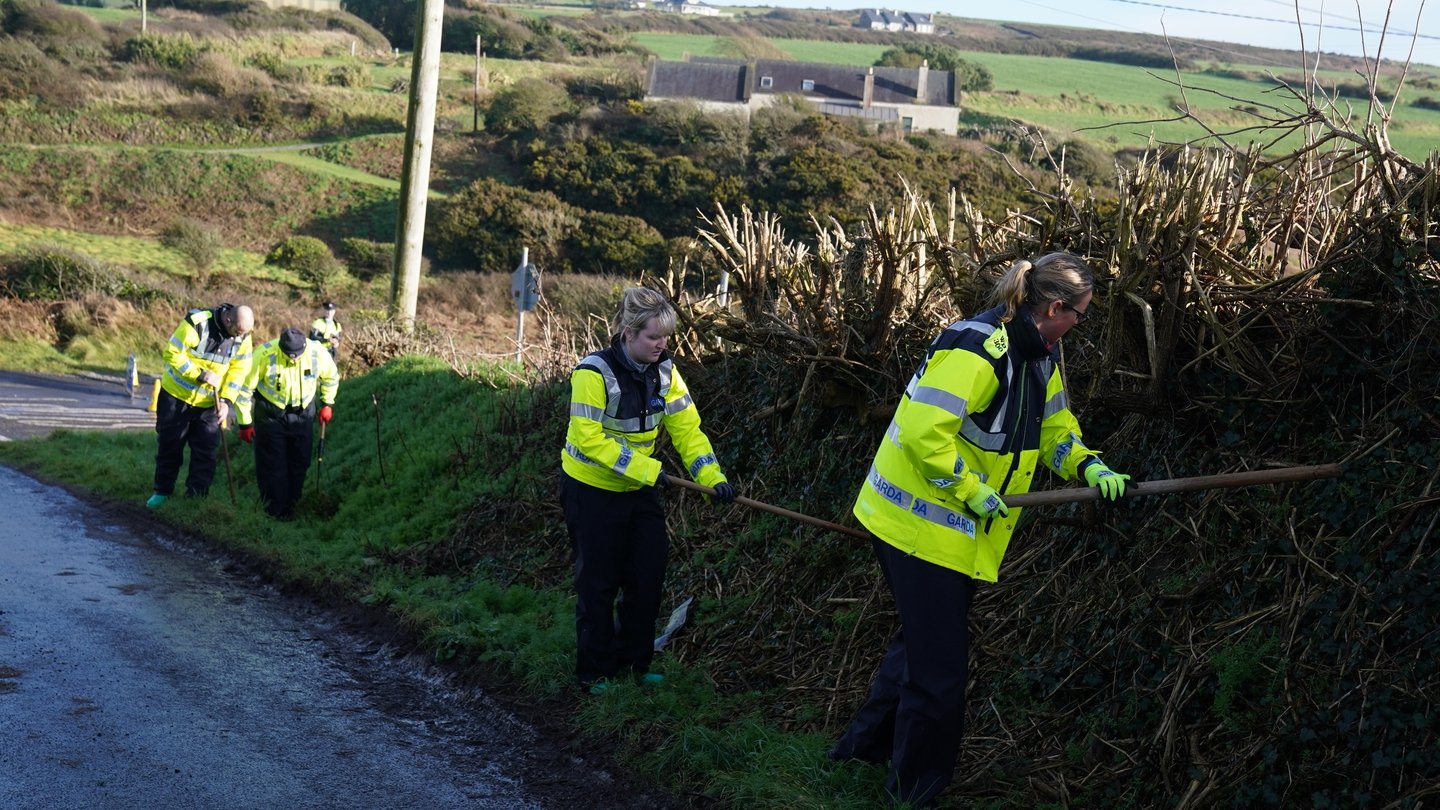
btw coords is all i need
(1362, 28)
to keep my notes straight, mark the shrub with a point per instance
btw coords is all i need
(27, 72)
(612, 243)
(352, 74)
(310, 259)
(485, 225)
(366, 259)
(528, 105)
(169, 52)
(197, 242)
(49, 272)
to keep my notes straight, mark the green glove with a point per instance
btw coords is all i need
(1111, 483)
(986, 502)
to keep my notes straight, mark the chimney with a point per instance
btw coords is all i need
(922, 81)
(869, 94)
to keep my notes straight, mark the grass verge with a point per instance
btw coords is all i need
(414, 446)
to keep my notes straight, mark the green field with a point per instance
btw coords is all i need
(1112, 105)
(134, 251)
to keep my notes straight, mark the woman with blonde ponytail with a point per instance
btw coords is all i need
(985, 408)
(620, 397)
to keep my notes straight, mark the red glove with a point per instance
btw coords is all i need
(247, 433)
(325, 414)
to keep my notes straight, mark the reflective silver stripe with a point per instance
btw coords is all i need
(978, 437)
(703, 461)
(942, 399)
(920, 507)
(635, 425)
(584, 411)
(612, 397)
(178, 343)
(612, 384)
(1056, 404)
(678, 405)
(621, 463)
(893, 433)
(181, 381)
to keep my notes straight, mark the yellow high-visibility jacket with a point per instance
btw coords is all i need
(289, 384)
(987, 404)
(616, 411)
(325, 330)
(199, 345)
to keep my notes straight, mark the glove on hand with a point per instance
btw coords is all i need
(1111, 483)
(326, 414)
(661, 481)
(986, 502)
(247, 433)
(724, 493)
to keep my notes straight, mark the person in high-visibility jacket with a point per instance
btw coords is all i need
(206, 362)
(326, 329)
(986, 406)
(620, 397)
(278, 412)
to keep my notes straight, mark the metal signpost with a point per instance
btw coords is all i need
(525, 289)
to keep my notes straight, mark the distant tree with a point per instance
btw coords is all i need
(970, 76)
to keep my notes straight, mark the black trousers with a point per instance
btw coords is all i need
(177, 425)
(914, 717)
(282, 455)
(620, 548)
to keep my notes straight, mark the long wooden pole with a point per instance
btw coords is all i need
(775, 510)
(1165, 486)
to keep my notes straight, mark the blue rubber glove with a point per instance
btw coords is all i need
(724, 493)
(661, 481)
(986, 502)
(1111, 483)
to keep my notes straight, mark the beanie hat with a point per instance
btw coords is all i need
(292, 342)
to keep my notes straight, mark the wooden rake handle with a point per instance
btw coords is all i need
(1166, 486)
(774, 510)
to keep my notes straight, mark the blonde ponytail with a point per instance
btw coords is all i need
(638, 305)
(1056, 276)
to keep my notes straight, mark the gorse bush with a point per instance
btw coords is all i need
(170, 52)
(348, 75)
(310, 259)
(366, 259)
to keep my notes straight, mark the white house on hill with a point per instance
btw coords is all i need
(880, 20)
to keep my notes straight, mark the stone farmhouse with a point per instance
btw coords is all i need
(878, 20)
(915, 99)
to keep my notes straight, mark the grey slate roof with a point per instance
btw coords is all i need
(707, 81)
(847, 82)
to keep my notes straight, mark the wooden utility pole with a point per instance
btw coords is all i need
(415, 174)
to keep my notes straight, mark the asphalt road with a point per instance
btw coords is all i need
(33, 405)
(139, 671)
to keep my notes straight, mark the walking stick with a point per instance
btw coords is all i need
(1165, 486)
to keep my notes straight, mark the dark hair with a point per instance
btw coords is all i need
(1056, 276)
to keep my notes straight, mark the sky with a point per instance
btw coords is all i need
(1334, 24)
